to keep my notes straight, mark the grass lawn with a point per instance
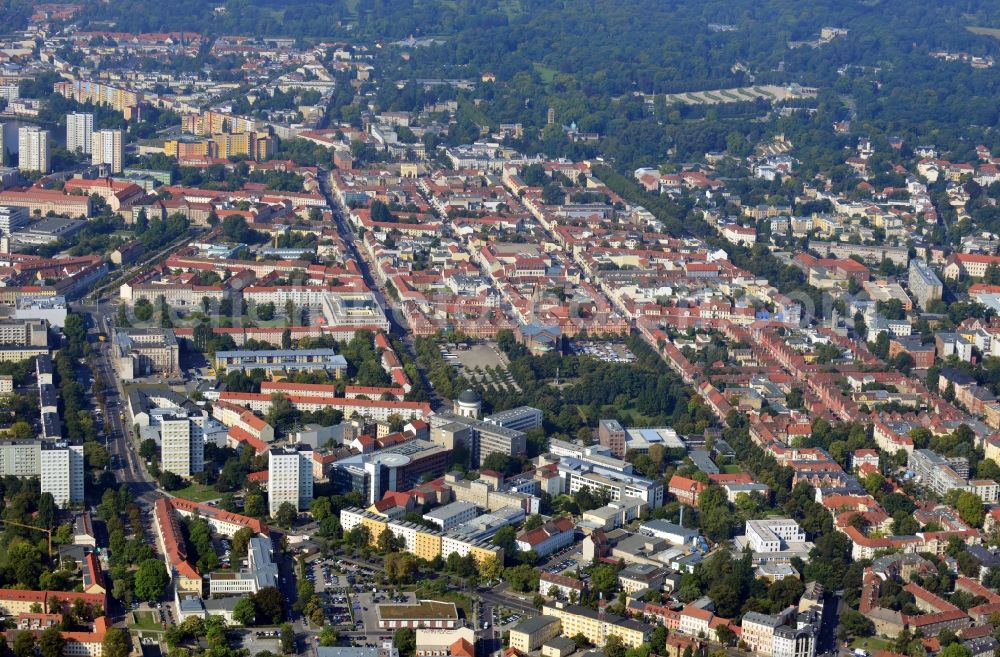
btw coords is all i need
(986, 31)
(197, 493)
(146, 620)
(544, 72)
(871, 644)
(732, 469)
(462, 602)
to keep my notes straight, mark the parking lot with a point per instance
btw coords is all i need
(350, 592)
(480, 355)
(366, 612)
(609, 352)
(561, 566)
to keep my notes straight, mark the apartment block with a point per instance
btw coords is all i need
(33, 149)
(107, 147)
(290, 477)
(925, 286)
(79, 129)
(419, 540)
(24, 333)
(529, 635)
(937, 473)
(61, 472)
(20, 458)
(182, 445)
(598, 626)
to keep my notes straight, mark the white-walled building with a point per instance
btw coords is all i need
(773, 534)
(290, 477)
(182, 444)
(108, 147)
(79, 130)
(452, 515)
(33, 149)
(61, 472)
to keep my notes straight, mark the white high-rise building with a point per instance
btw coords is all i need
(182, 445)
(62, 472)
(3, 146)
(33, 149)
(290, 477)
(107, 147)
(79, 129)
(19, 458)
(13, 218)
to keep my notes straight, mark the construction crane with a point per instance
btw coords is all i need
(48, 532)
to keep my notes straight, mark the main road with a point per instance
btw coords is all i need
(393, 313)
(127, 463)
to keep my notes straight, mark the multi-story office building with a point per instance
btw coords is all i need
(261, 572)
(611, 476)
(400, 467)
(290, 477)
(138, 352)
(452, 515)
(611, 434)
(291, 359)
(79, 129)
(774, 534)
(12, 217)
(522, 418)
(107, 147)
(479, 438)
(33, 149)
(62, 472)
(182, 445)
(925, 286)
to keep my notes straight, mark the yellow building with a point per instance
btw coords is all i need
(228, 145)
(528, 635)
(483, 552)
(993, 447)
(598, 627)
(375, 528)
(186, 148)
(261, 146)
(427, 545)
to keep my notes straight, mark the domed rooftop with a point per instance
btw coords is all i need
(468, 396)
